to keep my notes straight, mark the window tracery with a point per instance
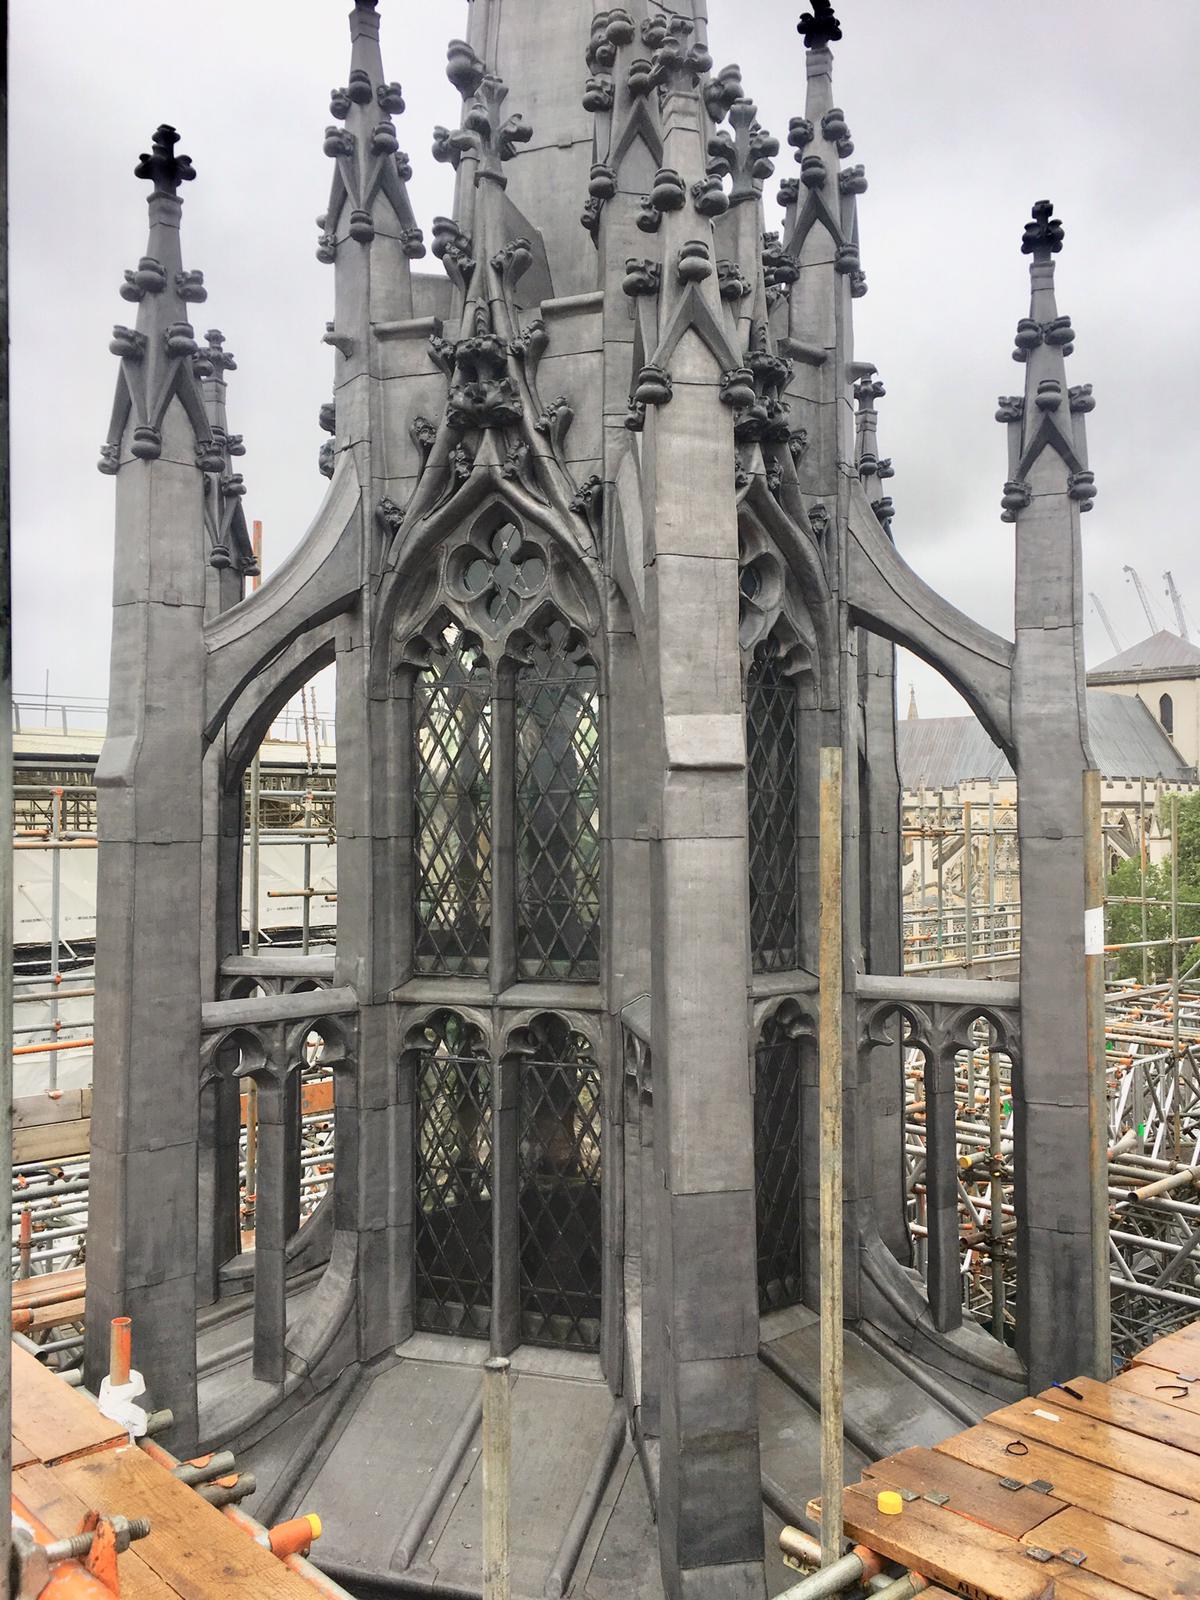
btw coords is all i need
(773, 797)
(453, 799)
(559, 1200)
(506, 743)
(453, 1164)
(558, 809)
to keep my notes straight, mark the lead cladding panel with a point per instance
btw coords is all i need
(453, 1133)
(559, 1177)
(773, 791)
(558, 810)
(452, 727)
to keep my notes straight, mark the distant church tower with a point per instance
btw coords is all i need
(604, 559)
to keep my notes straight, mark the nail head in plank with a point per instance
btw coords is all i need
(1146, 1414)
(974, 1493)
(1103, 1444)
(1148, 1566)
(1113, 1495)
(973, 1560)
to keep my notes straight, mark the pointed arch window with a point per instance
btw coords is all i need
(1166, 713)
(506, 788)
(559, 1199)
(558, 809)
(773, 801)
(777, 1199)
(452, 1245)
(453, 822)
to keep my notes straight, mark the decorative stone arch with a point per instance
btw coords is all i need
(774, 543)
(429, 565)
(259, 1052)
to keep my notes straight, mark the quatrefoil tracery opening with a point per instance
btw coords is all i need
(501, 579)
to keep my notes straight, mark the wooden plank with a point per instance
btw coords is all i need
(1159, 1386)
(1113, 1495)
(1140, 1414)
(1178, 1351)
(973, 1493)
(23, 1455)
(967, 1558)
(63, 1512)
(52, 1141)
(1102, 1444)
(35, 1110)
(26, 1290)
(52, 1418)
(1145, 1565)
(49, 1316)
(191, 1546)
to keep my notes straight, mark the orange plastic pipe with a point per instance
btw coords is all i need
(43, 1049)
(294, 1538)
(119, 1350)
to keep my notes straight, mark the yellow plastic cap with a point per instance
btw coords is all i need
(314, 1523)
(890, 1503)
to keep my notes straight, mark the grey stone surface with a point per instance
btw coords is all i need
(667, 410)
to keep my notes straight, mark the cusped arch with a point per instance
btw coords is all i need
(924, 1034)
(257, 1057)
(798, 1014)
(958, 1023)
(337, 1042)
(419, 581)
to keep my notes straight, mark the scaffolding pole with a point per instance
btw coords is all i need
(830, 1100)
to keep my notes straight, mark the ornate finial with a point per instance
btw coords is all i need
(1044, 235)
(163, 167)
(214, 360)
(819, 26)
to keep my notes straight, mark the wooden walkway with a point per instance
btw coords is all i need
(1089, 1491)
(69, 1459)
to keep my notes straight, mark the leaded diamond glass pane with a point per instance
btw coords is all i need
(559, 1204)
(453, 1225)
(452, 723)
(777, 1169)
(558, 811)
(773, 792)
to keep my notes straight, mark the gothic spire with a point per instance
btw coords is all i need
(369, 190)
(156, 354)
(225, 521)
(819, 27)
(1049, 416)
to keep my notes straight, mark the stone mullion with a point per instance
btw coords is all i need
(612, 1207)
(506, 1243)
(504, 829)
(218, 1237)
(270, 1237)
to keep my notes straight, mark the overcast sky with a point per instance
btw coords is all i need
(963, 111)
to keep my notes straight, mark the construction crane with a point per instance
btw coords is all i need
(1177, 602)
(1155, 625)
(1108, 627)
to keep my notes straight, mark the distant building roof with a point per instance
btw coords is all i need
(1162, 655)
(942, 752)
